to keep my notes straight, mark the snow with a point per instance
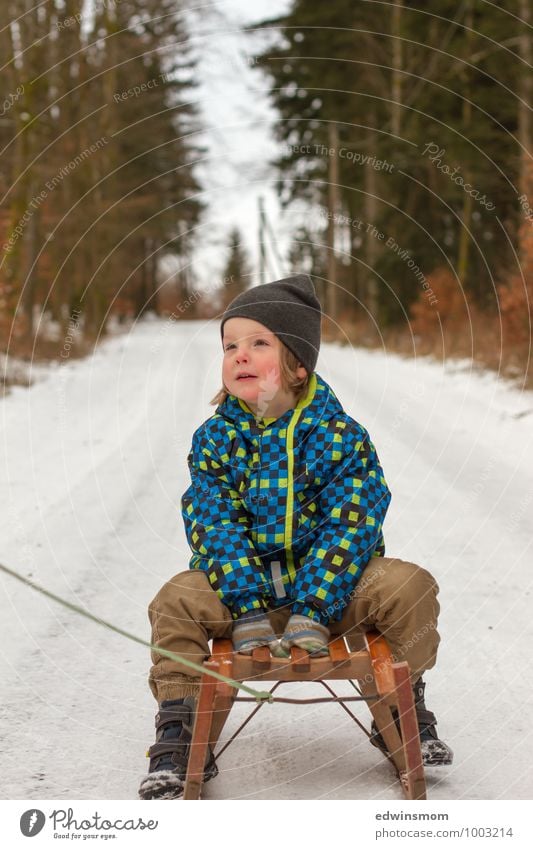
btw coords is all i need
(93, 458)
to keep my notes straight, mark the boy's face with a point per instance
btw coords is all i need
(251, 349)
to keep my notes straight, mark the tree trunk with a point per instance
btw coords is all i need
(524, 117)
(371, 244)
(466, 217)
(333, 208)
(397, 63)
(30, 268)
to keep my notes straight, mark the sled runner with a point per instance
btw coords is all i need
(383, 684)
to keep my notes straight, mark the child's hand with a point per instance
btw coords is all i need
(307, 634)
(252, 630)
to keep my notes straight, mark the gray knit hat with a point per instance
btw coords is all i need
(290, 309)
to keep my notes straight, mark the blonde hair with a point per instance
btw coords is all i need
(290, 381)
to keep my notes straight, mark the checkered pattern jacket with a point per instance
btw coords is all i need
(285, 511)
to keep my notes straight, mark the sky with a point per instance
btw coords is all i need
(238, 119)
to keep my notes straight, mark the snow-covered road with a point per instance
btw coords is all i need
(93, 461)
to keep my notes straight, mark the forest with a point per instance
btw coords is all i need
(403, 132)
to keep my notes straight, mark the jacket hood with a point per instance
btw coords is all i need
(319, 404)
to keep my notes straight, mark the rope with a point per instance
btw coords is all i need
(258, 696)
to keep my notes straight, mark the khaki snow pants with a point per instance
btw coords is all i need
(397, 598)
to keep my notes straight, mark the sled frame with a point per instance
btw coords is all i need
(383, 684)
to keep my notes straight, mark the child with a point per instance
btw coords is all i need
(284, 516)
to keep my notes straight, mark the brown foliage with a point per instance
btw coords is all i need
(443, 317)
(516, 295)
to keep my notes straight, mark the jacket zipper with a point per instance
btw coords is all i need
(290, 496)
(289, 443)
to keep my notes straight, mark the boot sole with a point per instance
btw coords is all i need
(431, 755)
(165, 784)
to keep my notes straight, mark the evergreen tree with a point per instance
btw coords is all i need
(423, 102)
(98, 154)
(307, 255)
(237, 271)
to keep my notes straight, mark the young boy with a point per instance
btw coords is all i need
(284, 516)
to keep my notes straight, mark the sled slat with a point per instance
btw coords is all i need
(261, 658)
(300, 659)
(338, 651)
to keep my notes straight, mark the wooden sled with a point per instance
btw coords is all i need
(379, 681)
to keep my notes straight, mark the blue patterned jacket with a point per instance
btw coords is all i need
(285, 511)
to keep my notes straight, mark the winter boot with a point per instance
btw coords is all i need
(434, 751)
(169, 755)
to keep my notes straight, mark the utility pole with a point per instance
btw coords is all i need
(262, 237)
(278, 268)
